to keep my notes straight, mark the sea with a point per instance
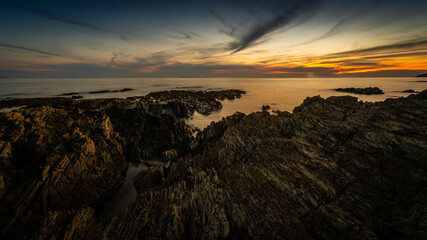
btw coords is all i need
(279, 93)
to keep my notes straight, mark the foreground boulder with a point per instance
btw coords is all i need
(334, 169)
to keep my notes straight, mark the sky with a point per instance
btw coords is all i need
(234, 38)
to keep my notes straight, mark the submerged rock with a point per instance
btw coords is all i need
(366, 91)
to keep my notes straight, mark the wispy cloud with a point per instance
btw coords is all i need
(10, 46)
(55, 16)
(228, 28)
(286, 19)
(395, 47)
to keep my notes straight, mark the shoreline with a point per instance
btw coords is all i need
(295, 173)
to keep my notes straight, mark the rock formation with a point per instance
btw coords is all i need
(335, 168)
(409, 91)
(60, 159)
(366, 91)
(265, 107)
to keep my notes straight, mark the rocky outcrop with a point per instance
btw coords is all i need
(55, 160)
(200, 101)
(422, 75)
(366, 91)
(409, 91)
(334, 169)
(61, 159)
(112, 91)
(33, 102)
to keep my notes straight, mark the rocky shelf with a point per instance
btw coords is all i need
(335, 168)
(366, 91)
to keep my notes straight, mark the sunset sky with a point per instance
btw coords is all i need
(234, 38)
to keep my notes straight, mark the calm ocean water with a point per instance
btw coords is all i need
(279, 93)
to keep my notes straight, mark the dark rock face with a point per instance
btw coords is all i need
(366, 91)
(60, 159)
(54, 161)
(422, 75)
(334, 169)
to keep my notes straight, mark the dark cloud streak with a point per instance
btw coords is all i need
(229, 30)
(29, 49)
(287, 18)
(389, 47)
(55, 17)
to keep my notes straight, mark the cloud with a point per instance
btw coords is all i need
(343, 24)
(385, 73)
(187, 35)
(288, 18)
(29, 49)
(54, 16)
(395, 47)
(229, 30)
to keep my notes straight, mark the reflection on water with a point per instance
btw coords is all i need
(126, 195)
(280, 93)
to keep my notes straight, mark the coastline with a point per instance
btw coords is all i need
(255, 176)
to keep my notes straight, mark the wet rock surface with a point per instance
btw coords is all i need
(335, 168)
(366, 91)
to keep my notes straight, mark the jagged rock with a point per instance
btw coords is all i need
(334, 169)
(61, 159)
(202, 102)
(265, 107)
(55, 160)
(367, 91)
